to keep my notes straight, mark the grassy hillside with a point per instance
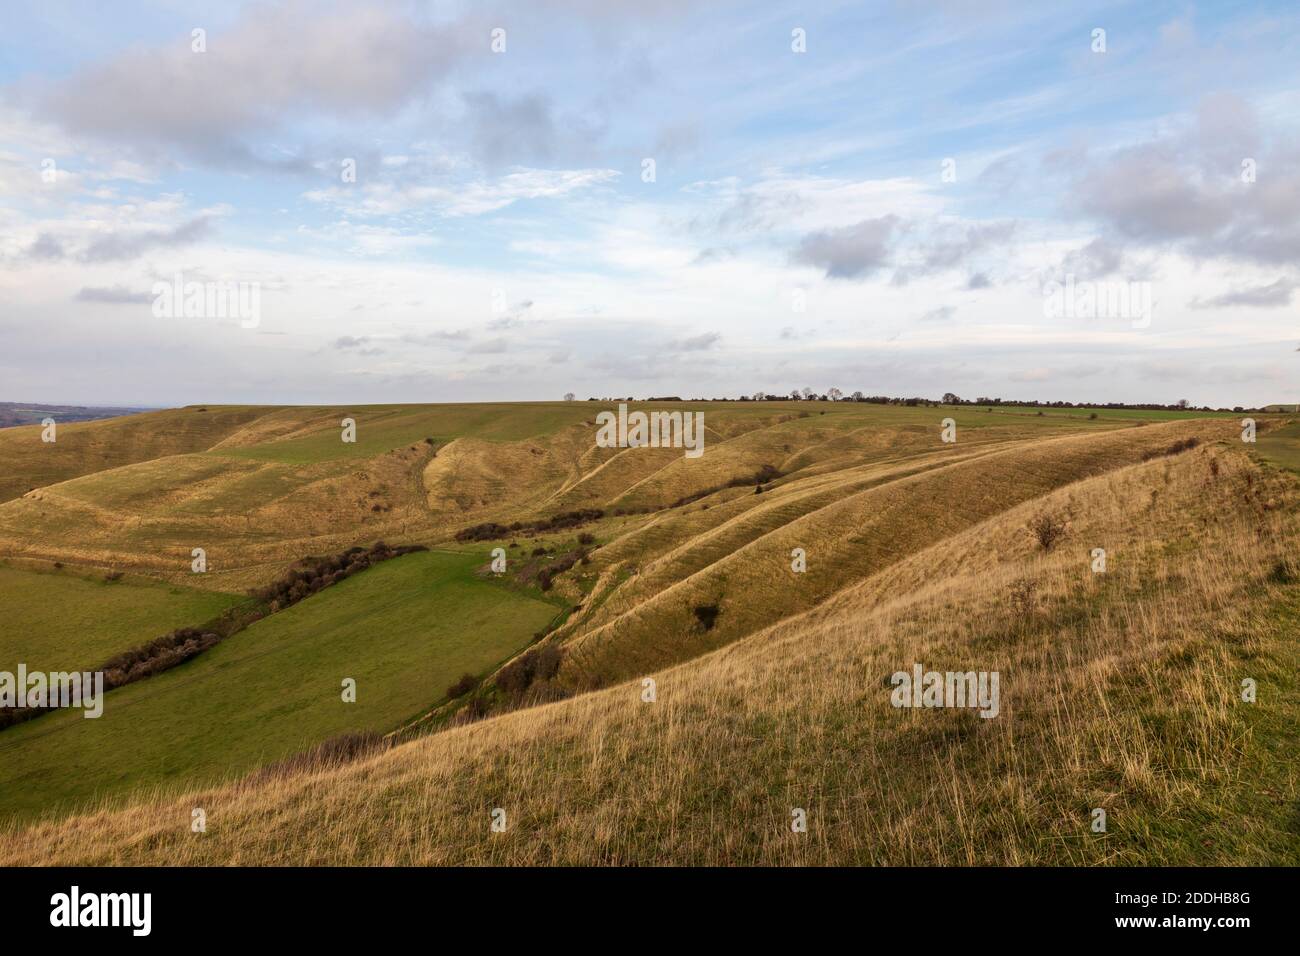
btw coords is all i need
(1120, 690)
(849, 527)
(81, 448)
(1118, 687)
(404, 631)
(260, 487)
(56, 620)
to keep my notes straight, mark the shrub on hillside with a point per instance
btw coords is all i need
(463, 686)
(538, 664)
(547, 574)
(1048, 529)
(706, 614)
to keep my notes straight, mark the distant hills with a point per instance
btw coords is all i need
(21, 413)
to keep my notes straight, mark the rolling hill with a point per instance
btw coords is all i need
(1120, 687)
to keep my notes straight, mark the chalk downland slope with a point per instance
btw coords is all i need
(1118, 690)
(260, 487)
(81, 448)
(737, 556)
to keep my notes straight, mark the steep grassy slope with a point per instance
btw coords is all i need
(1119, 690)
(849, 526)
(259, 488)
(870, 493)
(81, 448)
(56, 620)
(403, 630)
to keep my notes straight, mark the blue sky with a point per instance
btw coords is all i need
(885, 211)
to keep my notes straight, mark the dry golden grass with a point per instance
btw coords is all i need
(1118, 691)
(258, 488)
(85, 447)
(252, 517)
(851, 524)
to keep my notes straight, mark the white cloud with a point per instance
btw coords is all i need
(471, 198)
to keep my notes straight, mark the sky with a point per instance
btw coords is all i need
(427, 202)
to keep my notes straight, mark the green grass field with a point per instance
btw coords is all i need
(57, 620)
(404, 631)
(381, 428)
(1282, 446)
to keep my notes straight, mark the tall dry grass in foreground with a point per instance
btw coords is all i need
(1118, 690)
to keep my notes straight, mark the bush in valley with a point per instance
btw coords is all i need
(706, 614)
(160, 654)
(538, 664)
(463, 686)
(547, 574)
(112, 576)
(487, 531)
(178, 646)
(314, 573)
(491, 530)
(586, 538)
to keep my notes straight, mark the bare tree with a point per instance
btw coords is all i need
(835, 394)
(569, 396)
